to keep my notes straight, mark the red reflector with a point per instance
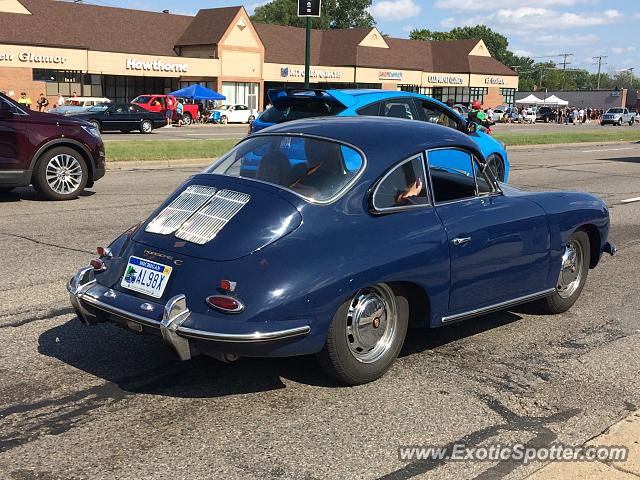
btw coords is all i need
(98, 265)
(227, 285)
(225, 303)
(101, 251)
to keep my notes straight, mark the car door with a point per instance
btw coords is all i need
(499, 245)
(118, 118)
(14, 137)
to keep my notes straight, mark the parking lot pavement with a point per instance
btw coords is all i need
(192, 132)
(102, 402)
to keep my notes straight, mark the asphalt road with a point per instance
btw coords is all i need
(103, 403)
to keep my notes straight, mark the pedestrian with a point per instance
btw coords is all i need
(169, 109)
(42, 103)
(60, 99)
(179, 112)
(24, 100)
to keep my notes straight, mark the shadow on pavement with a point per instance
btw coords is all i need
(621, 159)
(29, 193)
(144, 364)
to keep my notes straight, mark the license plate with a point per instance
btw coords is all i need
(146, 277)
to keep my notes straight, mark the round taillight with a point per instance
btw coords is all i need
(98, 265)
(225, 303)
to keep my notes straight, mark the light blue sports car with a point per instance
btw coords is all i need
(294, 104)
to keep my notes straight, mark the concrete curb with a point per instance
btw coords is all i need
(625, 433)
(158, 164)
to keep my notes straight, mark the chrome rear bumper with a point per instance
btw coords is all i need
(175, 314)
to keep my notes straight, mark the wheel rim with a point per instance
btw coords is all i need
(572, 269)
(64, 174)
(496, 167)
(372, 323)
(95, 124)
(187, 120)
(146, 127)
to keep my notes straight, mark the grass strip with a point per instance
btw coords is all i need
(140, 150)
(535, 138)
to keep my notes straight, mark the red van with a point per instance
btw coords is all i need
(156, 103)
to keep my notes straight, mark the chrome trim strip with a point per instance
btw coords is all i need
(498, 306)
(186, 332)
(134, 317)
(244, 338)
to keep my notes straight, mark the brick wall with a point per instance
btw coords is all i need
(21, 80)
(493, 98)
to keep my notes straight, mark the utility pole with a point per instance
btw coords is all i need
(600, 63)
(564, 65)
(308, 9)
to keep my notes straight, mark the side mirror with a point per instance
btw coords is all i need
(472, 127)
(5, 113)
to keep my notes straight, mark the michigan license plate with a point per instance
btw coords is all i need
(146, 277)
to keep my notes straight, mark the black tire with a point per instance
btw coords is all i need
(337, 359)
(186, 119)
(224, 120)
(251, 119)
(631, 123)
(97, 124)
(555, 303)
(620, 122)
(146, 126)
(40, 174)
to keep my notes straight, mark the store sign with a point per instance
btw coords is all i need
(494, 81)
(390, 75)
(446, 79)
(309, 8)
(30, 57)
(156, 66)
(286, 72)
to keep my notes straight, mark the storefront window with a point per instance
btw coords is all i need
(123, 89)
(508, 94)
(59, 81)
(243, 93)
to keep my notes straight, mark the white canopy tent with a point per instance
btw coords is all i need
(553, 100)
(530, 100)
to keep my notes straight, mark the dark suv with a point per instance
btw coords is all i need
(546, 115)
(59, 155)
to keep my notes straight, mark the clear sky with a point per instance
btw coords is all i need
(540, 28)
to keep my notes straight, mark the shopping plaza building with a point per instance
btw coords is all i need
(55, 47)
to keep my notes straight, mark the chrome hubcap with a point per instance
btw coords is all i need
(146, 126)
(371, 323)
(571, 271)
(64, 174)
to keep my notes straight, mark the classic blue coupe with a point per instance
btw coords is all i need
(296, 104)
(350, 230)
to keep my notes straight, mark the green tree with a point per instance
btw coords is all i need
(335, 14)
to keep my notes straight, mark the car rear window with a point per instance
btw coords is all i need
(317, 170)
(614, 110)
(142, 99)
(292, 107)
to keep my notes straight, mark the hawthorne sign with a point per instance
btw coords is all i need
(309, 8)
(156, 66)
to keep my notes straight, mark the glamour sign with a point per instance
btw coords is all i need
(447, 79)
(33, 58)
(156, 66)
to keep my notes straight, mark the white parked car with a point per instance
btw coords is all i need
(236, 114)
(79, 104)
(498, 113)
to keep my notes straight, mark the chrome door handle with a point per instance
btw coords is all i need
(460, 241)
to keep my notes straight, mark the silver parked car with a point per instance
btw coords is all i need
(617, 116)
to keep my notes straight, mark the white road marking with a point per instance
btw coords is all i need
(631, 200)
(607, 150)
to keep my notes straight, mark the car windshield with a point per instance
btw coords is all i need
(614, 110)
(98, 108)
(318, 170)
(224, 107)
(142, 99)
(295, 107)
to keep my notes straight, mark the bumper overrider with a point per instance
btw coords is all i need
(91, 303)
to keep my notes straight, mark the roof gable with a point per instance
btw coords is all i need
(373, 39)
(13, 6)
(208, 26)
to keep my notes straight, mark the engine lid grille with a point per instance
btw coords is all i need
(181, 209)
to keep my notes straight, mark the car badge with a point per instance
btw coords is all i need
(109, 294)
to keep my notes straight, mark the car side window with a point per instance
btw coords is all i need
(400, 108)
(433, 114)
(372, 110)
(403, 186)
(452, 174)
(9, 106)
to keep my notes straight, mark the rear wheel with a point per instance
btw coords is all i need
(224, 120)
(496, 164)
(573, 275)
(96, 124)
(186, 119)
(620, 122)
(631, 122)
(146, 126)
(251, 119)
(366, 335)
(61, 174)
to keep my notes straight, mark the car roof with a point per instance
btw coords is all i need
(384, 140)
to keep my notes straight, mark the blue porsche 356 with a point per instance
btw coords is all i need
(349, 231)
